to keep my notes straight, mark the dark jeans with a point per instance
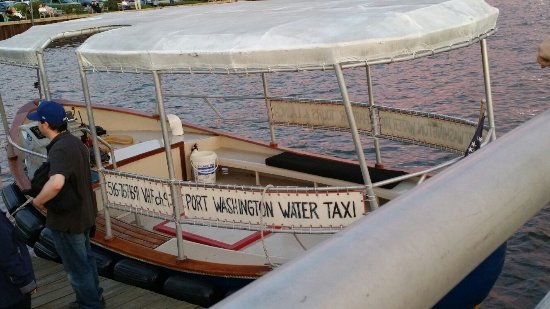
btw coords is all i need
(23, 304)
(79, 263)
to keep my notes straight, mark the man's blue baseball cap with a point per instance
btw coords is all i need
(50, 112)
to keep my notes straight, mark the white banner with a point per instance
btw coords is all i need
(319, 114)
(139, 194)
(441, 132)
(298, 209)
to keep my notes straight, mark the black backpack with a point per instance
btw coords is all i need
(67, 199)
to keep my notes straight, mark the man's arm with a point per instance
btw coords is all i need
(49, 191)
(544, 53)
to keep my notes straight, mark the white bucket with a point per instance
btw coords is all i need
(204, 165)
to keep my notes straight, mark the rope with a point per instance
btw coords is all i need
(12, 215)
(262, 227)
(299, 242)
(119, 139)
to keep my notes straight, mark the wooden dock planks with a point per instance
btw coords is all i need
(54, 291)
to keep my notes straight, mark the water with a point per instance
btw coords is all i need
(521, 90)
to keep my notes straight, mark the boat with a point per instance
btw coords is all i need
(197, 212)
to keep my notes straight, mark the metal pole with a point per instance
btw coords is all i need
(487, 82)
(373, 203)
(176, 195)
(32, 15)
(44, 77)
(40, 86)
(269, 116)
(373, 119)
(9, 149)
(412, 251)
(100, 169)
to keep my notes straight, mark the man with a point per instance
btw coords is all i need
(12, 14)
(17, 281)
(69, 166)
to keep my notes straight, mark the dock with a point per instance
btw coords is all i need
(55, 292)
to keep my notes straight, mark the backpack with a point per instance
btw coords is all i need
(67, 199)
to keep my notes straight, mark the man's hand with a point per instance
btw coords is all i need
(543, 57)
(40, 207)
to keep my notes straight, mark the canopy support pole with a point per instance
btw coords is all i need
(373, 119)
(176, 196)
(269, 116)
(42, 73)
(488, 91)
(373, 203)
(9, 149)
(100, 169)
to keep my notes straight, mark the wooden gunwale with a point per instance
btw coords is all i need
(166, 260)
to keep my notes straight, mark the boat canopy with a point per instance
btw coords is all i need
(264, 36)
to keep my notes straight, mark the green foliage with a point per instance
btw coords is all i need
(76, 8)
(192, 1)
(23, 9)
(111, 4)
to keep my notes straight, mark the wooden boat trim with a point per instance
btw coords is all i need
(159, 258)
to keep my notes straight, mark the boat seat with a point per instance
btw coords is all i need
(256, 162)
(253, 161)
(329, 168)
(136, 149)
(132, 233)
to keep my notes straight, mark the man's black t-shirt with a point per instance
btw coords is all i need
(69, 157)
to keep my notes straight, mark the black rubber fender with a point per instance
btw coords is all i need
(138, 274)
(190, 290)
(12, 197)
(29, 222)
(105, 262)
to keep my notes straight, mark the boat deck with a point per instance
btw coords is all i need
(54, 291)
(132, 233)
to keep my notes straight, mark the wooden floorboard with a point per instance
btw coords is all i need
(54, 291)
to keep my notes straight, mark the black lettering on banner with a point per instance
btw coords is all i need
(242, 207)
(196, 202)
(299, 210)
(341, 210)
(147, 195)
(161, 199)
(123, 190)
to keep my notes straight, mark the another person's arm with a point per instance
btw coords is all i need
(15, 263)
(544, 53)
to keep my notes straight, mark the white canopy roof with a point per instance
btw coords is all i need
(265, 35)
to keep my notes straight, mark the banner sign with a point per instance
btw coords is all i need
(319, 114)
(298, 209)
(316, 209)
(144, 194)
(415, 127)
(423, 128)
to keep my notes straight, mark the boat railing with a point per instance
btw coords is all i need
(43, 156)
(424, 173)
(102, 141)
(25, 150)
(397, 124)
(281, 209)
(280, 107)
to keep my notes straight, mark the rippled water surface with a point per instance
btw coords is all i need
(450, 83)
